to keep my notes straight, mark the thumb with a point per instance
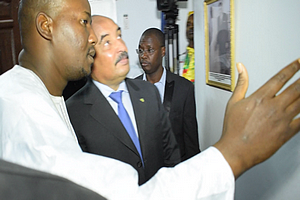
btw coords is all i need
(242, 84)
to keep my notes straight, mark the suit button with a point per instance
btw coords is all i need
(139, 164)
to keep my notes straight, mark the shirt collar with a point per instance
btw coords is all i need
(162, 78)
(106, 91)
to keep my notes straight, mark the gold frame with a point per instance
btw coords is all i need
(221, 71)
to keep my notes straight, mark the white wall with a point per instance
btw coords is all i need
(143, 14)
(267, 38)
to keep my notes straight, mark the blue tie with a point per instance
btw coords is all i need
(125, 119)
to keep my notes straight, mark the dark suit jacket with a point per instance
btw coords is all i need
(18, 182)
(100, 131)
(179, 101)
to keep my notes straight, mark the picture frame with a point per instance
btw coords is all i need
(219, 43)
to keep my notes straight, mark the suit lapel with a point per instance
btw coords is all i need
(169, 88)
(139, 105)
(106, 117)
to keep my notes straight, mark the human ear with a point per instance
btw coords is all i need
(44, 25)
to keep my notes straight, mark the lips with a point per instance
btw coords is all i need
(92, 54)
(145, 63)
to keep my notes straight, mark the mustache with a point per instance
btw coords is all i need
(123, 55)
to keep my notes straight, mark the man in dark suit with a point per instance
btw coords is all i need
(94, 113)
(18, 182)
(176, 92)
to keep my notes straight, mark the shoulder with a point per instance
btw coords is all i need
(81, 94)
(25, 101)
(138, 87)
(179, 79)
(138, 83)
(24, 88)
(139, 77)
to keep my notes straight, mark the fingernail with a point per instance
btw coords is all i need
(239, 67)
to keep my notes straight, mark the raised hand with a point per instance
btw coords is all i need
(257, 126)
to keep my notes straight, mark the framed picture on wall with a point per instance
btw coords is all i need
(219, 43)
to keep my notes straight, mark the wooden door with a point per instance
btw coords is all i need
(10, 42)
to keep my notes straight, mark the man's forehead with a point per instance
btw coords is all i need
(101, 23)
(149, 39)
(106, 28)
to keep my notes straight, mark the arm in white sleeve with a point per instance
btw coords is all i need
(204, 176)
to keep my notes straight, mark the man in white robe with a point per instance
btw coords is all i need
(35, 130)
(36, 133)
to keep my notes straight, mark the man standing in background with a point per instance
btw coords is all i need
(189, 63)
(177, 93)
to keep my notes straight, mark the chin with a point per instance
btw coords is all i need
(146, 69)
(83, 73)
(87, 71)
(124, 68)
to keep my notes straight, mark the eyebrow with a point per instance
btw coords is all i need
(103, 36)
(88, 13)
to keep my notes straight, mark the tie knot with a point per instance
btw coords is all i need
(116, 96)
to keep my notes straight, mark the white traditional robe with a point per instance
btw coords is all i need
(35, 132)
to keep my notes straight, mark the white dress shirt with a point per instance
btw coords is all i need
(160, 85)
(33, 133)
(106, 91)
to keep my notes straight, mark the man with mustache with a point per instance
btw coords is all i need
(98, 122)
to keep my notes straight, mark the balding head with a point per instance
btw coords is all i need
(99, 21)
(100, 18)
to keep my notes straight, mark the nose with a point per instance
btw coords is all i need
(143, 54)
(92, 38)
(121, 45)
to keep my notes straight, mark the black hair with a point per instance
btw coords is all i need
(157, 33)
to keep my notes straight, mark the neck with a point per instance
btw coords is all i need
(113, 84)
(155, 76)
(114, 87)
(54, 84)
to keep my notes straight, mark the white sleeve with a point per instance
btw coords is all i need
(204, 176)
